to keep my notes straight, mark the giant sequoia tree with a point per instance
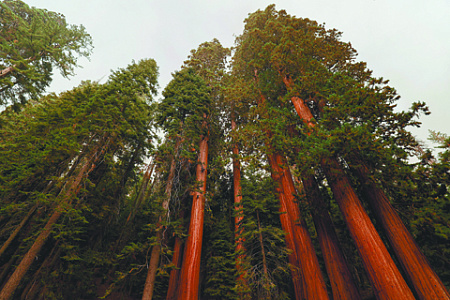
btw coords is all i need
(305, 64)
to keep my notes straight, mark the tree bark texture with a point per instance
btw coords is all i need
(313, 282)
(425, 281)
(175, 273)
(386, 280)
(190, 271)
(313, 285)
(342, 283)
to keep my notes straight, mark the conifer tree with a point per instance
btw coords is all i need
(107, 130)
(34, 41)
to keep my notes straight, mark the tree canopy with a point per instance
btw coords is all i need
(34, 42)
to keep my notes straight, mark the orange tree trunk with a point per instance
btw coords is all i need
(175, 273)
(287, 225)
(313, 284)
(342, 284)
(156, 250)
(419, 272)
(74, 186)
(383, 274)
(190, 270)
(239, 213)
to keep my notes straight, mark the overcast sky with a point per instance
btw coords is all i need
(405, 41)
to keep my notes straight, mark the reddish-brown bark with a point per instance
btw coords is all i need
(190, 270)
(383, 274)
(342, 284)
(313, 283)
(175, 273)
(286, 225)
(425, 281)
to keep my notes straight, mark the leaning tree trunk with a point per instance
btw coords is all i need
(156, 250)
(175, 273)
(18, 229)
(425, 281)
(313, 284)
(342, 283)
(287, 226)
(190, 271)
(13, 282)
(383, 274)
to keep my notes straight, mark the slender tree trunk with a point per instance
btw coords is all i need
(17, 230)
(13, 282)
(175, 273)
(383, 274)
(242, 281)
(190, 271)
(419, 272)
(156, 250)
(342, 284)
(263, 252)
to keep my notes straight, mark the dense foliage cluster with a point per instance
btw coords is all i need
(243, 182)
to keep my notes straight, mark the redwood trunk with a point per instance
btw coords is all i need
(287, 225)
(238, 210)
(383, 274)
(190, 271)
(313, 285)
(175, 273)
(156, 250)
(342, 284)
(419, 272)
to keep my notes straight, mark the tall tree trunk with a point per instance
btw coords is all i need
(242, 281)
(175, 273)
(286, 225)
(425, 281)
(263, 253)
(156, 250)
(13, 282)
(313, 283)
(190, 271)
(383, 274)
(17, 230)
(342, 283)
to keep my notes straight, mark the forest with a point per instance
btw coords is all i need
(279, 168)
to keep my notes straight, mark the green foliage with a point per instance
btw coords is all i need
(33, 42)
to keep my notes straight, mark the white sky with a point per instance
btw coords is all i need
(405, 41)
